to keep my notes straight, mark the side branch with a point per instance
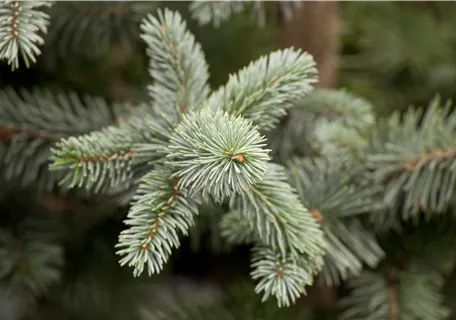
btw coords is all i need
(161, 210)
(164, 210)
(125, 155)
(423, 159)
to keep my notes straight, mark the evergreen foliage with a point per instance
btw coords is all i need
(31, 256)
(219, 12)
(263, 90)
(161, 209)
(215, 151)
(330, 120)
(410, 287)
(20, 26)
(237, 302)
(413, 156)
(31, 124)
(177, 64)
(319, 187)
(337, 196)
(91, 29)
(225, 149)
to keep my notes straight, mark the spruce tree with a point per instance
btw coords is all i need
(321, 190)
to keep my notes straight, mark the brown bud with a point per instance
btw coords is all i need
(316, 215)
(239, 158)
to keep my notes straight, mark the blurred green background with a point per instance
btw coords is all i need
(393, 53)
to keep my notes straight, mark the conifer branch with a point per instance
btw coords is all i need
(177, 63)
(216, 12)
(325, 122)
(415, 296)
(40, 113)
(409, 286)
(107, 157)
(277, 217)
(263, 90)
(282, 276)
(338, 106)
(289, 245)
(414, 158)
(160, 209)
(20, 25)
(94, 29)
(338, 195)
(335, 139)
(219, 12)
(30, 256)
(217, 154)
(30, 124)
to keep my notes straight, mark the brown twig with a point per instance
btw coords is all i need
(154, 227)
(13, 25)
(316, 215)
(126, 155)
(425, 158)
(392, 300)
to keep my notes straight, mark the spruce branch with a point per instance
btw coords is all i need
(177, 63)
(335, 139)
(32, 121)
(342, 119)
(217, 154)
(216, 12)
(415, 158)
(107, 157)
(350, 246)
(235, 302)
(282, 276)
(267, 87)
(95, 28)
(20, 26)
(277, 217)
(409, 285)
(50, 115)
(333, 187)
(339, 106)
(414, 295)
(339, 195)
(30, 256)
(327, 122)
(160, 210)
(219, 12)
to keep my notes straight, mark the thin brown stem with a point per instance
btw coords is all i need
(154, 227)
(392, 301)
(125, 155)
(425, 158)
(15, 12)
